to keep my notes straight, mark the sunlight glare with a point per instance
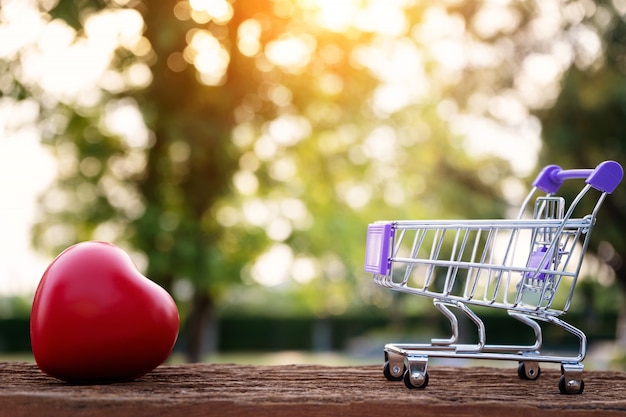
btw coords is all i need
(220, 11)
(208, 55)
(70, 68)
(541, 68)
(227, 216)
(20, 25)
(279, 229)
(124, 119)
(265, 148)
(243, 135)
(588, 46)
(112, 28)
(26, 169)
(355, 194)
(70, 74)
(295, 210)
(245, 182)
(273, 267)
(331, 84)
(304, 269)
(248, 37)
(381, 144)
(131, 164)
(283, 169)
(256, 212)
(288, 130)
(57, 35)
(519, 144)
(508, 107)
(438, 24)
(291, 52)
(496, 17)
(335, 15)
(547, 24)
(123, 197)
(620, 6)
(399, 65)
(182, 10)
(137, 75)
(538, 81)
(383, 17)
(452, 55)
(280, 95)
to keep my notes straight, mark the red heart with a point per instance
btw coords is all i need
(96, 319)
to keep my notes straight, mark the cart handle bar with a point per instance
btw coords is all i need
(605, 177)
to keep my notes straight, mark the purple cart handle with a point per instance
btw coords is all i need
(605, 177)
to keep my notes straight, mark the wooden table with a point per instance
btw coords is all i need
(311, 390)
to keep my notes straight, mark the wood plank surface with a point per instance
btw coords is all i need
(312, 390)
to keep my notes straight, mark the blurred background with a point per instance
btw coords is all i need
(238, 150)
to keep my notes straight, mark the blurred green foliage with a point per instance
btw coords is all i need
(271, 134)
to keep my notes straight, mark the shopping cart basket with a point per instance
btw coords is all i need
(525, 266)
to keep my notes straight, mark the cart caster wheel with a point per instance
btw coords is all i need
(393, 373)
(571, 387)
(420, 381)
(529, 370)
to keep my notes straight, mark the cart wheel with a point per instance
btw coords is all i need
(412, 384)
(397, 373)
(531, 372)
(572, 387)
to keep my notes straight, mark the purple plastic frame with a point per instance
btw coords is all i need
(605, 177)
(378, 248)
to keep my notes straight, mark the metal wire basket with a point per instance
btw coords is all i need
(526, 266)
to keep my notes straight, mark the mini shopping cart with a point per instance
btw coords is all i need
(526, 266)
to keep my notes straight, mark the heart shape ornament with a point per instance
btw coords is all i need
(97, 319)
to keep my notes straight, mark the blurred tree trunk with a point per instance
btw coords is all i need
(189, 169)
(199, 321)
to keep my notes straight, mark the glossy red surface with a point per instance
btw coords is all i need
(96, 318)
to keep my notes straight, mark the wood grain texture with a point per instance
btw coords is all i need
(311, 390)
